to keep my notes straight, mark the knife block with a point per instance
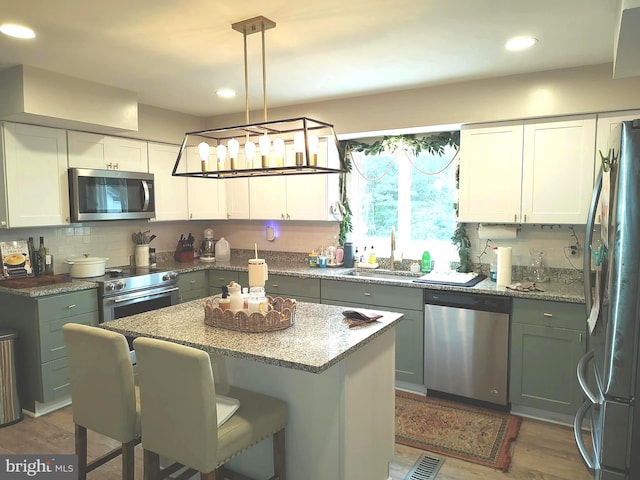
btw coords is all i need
(183, 256)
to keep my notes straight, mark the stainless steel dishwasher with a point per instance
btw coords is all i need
(466, 345)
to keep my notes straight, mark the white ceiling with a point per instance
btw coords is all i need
(175, 53)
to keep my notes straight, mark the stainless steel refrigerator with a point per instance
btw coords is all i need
(609, 374)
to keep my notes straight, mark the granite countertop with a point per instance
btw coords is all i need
(571, 291)
(74, 285)
(319, 338)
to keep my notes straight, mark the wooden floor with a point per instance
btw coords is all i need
(542, 451)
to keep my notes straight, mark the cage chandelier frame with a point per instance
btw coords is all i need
(287, 147)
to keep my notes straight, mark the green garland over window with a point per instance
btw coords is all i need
(434, 143)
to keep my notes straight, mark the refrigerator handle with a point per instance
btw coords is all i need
(586, 258)
(577, 433)
(582, 377)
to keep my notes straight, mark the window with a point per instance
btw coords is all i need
(414, 194)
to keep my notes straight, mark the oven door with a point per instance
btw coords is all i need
(119, 306)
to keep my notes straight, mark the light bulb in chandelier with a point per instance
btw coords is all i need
(249, 152)
(314, 141)
(298, 146)
(221, 151)
(203, 150)
(265, 145)
(278, 148)
(234, 147)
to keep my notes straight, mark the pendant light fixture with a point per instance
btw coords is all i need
(295, 146)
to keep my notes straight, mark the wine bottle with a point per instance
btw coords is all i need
(32, 255)
(42, 253)
(48, 263)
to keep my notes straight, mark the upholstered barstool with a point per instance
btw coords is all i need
(179, 415)
(103, 394)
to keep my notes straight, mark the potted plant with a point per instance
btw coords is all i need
(461, 240)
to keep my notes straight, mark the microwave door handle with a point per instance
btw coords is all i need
(586, 257)
(145, 189)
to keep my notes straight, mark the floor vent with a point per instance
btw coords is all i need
(426, 468)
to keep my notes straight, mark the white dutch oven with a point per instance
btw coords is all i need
(83, 267)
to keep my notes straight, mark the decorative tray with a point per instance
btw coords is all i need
(281, 316)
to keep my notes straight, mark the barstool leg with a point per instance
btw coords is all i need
(81, 450)
(279, 463)
(151, 465)
(128, 456)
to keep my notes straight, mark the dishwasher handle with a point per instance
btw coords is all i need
(471, 301)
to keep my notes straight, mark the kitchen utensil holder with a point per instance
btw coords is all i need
(281, 316)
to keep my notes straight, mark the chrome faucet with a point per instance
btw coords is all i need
(393, 249)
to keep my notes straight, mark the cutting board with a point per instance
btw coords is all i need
(30, 282)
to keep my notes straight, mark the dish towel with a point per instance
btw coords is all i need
(525, 287)
(359, 318)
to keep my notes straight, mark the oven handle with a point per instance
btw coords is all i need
(151, 295)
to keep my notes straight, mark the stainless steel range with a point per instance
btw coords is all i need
(128, 290)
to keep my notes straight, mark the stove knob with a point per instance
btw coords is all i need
(169, 276)
(109, 287)
(119, 285)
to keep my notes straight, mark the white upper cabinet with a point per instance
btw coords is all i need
(527, 172)
(90, 150)
(206, 196)
(237, 192)
(605, 124)
(490, 172)
(557, 174)
(295, 197)
(34, 183)
(170, 192)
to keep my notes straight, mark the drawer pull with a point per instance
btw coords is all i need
(547, 314)
(275, 285)
(73, 305)
(367, 294)
(192, 282)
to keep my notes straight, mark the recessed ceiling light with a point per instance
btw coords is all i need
(226, 93)
(520, 43)
(17, 31)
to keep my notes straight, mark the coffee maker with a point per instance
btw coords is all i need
(207, 247)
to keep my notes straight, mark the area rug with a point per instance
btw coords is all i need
(474, 434)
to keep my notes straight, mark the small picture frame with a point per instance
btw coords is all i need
(16, 262)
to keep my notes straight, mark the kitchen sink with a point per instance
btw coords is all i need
(385, 274)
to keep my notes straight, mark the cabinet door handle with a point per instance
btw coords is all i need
(73, 305)
(192, 282)
(580, 337)
(282, 216)
(515, 217)
(109, 166)
(288, 217)
(546, 314)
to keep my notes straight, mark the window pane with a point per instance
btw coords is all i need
(395, 191)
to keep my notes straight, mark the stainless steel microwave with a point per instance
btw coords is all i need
(110, 195)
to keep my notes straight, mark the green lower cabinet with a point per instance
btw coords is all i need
(409, 331)
(193, 285)
(41, 357)
(218, 278)
(544, 356)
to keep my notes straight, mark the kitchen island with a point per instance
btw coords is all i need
(338, 383)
